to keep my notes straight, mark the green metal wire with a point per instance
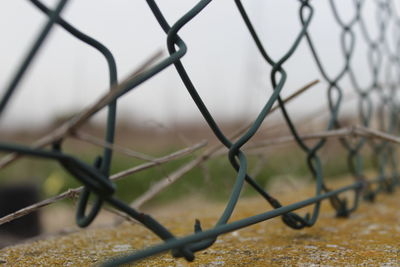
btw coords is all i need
(384, 65)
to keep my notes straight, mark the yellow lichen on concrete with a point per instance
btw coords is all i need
(370, 237)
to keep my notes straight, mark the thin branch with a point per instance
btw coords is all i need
(166, 181)
(158, 161)
(372, 133)
(157, 187)
(78, 120)
(322, 111)
(72, 193)
(276, 107)
(354, 131)
(288, 139)
(173, 177)
(115, 147)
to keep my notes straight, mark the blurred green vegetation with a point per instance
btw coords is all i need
(213, 179)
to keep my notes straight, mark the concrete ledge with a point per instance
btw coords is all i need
(370, 237)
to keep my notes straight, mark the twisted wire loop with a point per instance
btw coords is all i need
(347, 42)
(278, 78)
(365, 104)
(384, 67)
(102, 163)
(386, 112)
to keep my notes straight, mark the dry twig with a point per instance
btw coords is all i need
(115, 147)
(72, 193)
(354, 131)
(173, 177)
(78, 120)
(154, 189)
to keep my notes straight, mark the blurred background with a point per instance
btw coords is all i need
(222, 58)
(159, 116)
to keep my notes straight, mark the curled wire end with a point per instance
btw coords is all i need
(197, 226)
(341, 207)
(389, 187)
(369, 196)
(368, 193)
(295, 221)
(97, 162)
(341, 210)
(56, 145)
(183, 252)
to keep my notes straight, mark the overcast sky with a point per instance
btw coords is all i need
(222, 59)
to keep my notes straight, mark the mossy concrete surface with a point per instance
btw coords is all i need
(370, 237)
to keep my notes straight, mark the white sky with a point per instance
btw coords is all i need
(222, 59)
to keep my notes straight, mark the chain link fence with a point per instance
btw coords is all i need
(377, 106)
